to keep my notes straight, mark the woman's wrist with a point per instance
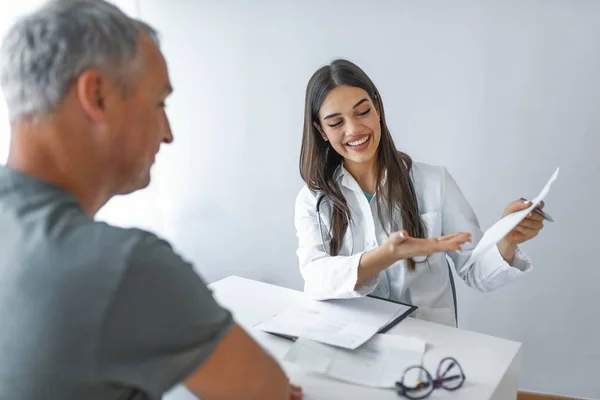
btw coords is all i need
(374, 261)
(389, 253)
(507, 250)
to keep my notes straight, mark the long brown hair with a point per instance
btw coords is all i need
(318, 160)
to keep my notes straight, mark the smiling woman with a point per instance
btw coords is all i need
(370, 220)
(345, 108)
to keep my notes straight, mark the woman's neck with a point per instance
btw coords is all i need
(365, 174)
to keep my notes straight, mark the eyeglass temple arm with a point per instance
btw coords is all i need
(419, 386)
(452, 364)
(449, 378)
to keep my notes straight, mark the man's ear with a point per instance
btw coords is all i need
(92, 89)
(320, 131)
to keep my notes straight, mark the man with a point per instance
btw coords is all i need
(90, 311)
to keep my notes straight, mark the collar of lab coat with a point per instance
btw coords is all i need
(341, 175)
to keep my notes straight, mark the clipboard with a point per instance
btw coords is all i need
(397, 320)
(411, 308)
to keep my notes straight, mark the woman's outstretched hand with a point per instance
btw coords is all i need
(404, 246)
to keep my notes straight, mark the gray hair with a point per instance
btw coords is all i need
(45, 51)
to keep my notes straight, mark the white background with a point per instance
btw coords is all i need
(501, 93)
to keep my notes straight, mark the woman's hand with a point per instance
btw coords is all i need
(295, 392)
(527, 229)
(400, 246)
(403, 246)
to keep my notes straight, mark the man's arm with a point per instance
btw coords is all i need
(238, 368)
(163, 327)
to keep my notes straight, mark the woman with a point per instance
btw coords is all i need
(372, 221)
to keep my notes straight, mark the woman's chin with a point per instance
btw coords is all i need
(360, 158)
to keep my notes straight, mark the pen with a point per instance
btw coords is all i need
(540, 212)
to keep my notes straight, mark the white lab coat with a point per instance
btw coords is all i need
(444, 210)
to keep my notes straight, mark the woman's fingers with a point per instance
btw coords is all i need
(295, 392)
(532, 223)
(453, 242)
(446, 246)
(534, 217)
(459, 236)
(412, 247)
(515, 206)
(444, 243)
(527, 232)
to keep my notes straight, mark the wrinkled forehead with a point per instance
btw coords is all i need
(153, 63)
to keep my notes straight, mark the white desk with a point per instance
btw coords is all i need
(491, 364)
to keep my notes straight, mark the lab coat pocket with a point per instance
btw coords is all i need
(433, 223)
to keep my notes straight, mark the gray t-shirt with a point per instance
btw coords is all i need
(91, 311)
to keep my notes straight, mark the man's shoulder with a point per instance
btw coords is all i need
(123, 246)
(106, 234)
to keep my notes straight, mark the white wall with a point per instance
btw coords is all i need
(499, 92)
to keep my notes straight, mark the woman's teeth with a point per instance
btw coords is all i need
(358, 142)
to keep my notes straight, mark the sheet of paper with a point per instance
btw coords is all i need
(500, 229)
(365, 310)
(309, 324)
(379, 363)
(346, 323)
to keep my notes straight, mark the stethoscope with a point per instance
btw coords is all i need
(321, 198)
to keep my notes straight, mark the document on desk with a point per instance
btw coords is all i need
(378, 363)
(346, 323)
(500, 229)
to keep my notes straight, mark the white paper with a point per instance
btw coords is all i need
(504, 226)
(310, 325)
(364, 310)
(346, 323)
(378, 363)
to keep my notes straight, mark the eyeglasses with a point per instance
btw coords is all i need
(417, 383)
